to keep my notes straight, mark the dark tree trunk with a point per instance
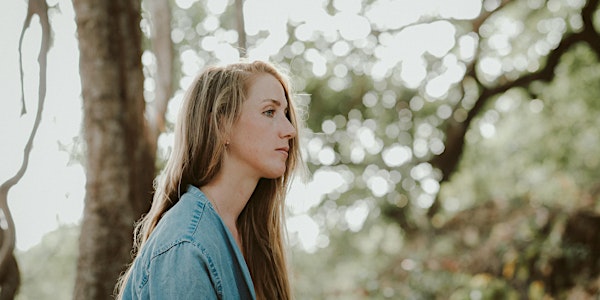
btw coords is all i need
(119, 161)
(10, 277)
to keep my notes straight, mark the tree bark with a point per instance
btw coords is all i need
(119, 163)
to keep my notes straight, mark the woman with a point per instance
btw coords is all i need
(215, 226)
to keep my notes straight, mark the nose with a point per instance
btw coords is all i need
(288, 131)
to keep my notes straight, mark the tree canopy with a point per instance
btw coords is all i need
(452, 144)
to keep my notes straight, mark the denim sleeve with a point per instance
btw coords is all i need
(183, 271)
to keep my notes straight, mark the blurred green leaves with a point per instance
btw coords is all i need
(384, 98)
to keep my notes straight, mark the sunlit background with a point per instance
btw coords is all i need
(52, 191)
(385, 78)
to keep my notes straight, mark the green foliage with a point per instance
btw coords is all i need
(529, 163)
(531, 152)
(539, 167)
(48, 269)
(543, 148)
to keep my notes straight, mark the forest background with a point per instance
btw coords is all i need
(453, 145)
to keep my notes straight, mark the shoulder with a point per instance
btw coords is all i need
(181, 270)
(191, 242)
(187, 236)
(191, 220)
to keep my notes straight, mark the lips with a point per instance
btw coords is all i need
(283, 150)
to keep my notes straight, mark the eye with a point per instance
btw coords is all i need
(269, 113)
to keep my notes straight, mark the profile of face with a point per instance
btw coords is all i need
(260, 138)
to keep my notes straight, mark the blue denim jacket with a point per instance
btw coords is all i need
(190, 255)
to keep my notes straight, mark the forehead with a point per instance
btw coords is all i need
(266, 87)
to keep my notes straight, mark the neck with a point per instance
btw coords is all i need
(229, 193)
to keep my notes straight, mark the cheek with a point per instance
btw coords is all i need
(253, 127)
(249, 135)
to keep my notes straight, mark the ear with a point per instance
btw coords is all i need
(227, 134)
(225, 128)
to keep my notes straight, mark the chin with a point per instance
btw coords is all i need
(275, 174)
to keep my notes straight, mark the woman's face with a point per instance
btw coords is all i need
(259, 141)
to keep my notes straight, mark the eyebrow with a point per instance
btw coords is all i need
(274, 101)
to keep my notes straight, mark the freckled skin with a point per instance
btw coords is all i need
(260, 138)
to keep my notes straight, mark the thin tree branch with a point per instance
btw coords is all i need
(448, 160)
(445, 161)
(545, 74)
(162, 46)
(40, 8)
(26, 24)
(591, 35)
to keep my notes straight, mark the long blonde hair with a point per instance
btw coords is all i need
(209, 109)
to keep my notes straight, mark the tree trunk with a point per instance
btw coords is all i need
(241, 28)
(160, 16)
(120, 165)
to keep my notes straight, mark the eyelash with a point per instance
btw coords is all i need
(269, 113)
